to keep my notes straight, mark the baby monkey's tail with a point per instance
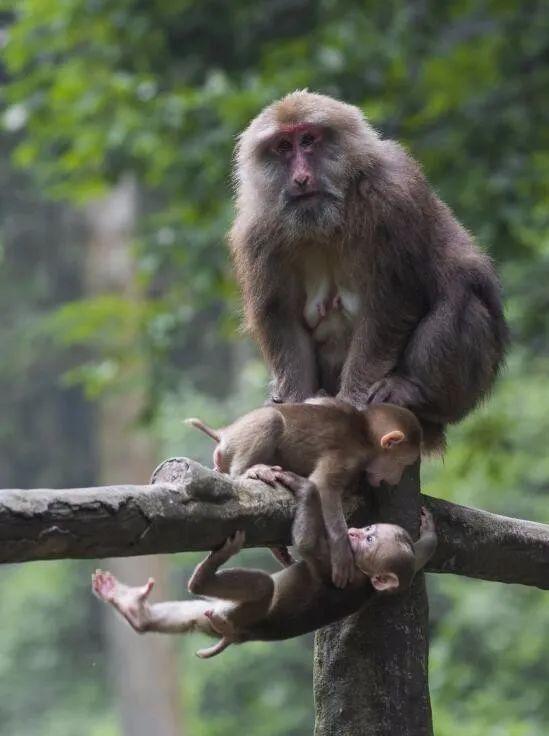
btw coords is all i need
(199, 424)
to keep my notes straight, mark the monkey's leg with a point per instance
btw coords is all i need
(169, 617)
(255, 443)
(448, 365)
(239, 585)
(373, 353)
(330, 477)
(453, 355)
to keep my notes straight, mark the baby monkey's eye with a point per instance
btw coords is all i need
(370, 538)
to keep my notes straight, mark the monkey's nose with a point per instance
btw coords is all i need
(301, 181)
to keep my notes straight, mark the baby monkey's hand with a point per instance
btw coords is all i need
(427, 522)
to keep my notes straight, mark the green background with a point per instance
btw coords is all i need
(95, 90)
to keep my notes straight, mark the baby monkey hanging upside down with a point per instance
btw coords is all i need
(250, 605)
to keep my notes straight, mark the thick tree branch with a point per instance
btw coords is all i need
(189, 507)
(488, 546)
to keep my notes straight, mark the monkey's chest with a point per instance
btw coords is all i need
(331, 303)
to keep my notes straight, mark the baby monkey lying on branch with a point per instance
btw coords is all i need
(327, 440)
(251, 605)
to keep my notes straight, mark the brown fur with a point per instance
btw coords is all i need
(329, 441)
(428, 332)
(246, 605)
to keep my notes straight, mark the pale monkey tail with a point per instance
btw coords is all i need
(199, 424)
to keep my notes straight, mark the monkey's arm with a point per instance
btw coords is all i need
(271, 303)
(373, 354)
(308, 530)
(331, 476)
(288, 350)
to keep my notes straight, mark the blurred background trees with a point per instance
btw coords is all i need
(98, 93)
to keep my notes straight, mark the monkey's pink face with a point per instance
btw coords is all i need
(297, 148)
(306, 168)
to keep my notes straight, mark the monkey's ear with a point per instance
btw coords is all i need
(391, 438)
(385, 581)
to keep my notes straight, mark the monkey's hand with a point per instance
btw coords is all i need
(427, 543)
(266, 473)
(395, 390)
(427, 522)
(297, 484)
(130, 602)
(343, 563)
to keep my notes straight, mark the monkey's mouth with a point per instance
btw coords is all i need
(309, 200)
(306, 196)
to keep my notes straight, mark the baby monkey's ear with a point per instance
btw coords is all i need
(385, 581)
(391, 438)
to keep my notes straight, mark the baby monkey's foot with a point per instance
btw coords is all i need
(219, 623)
(231, 546)
(130, 602)
(220, 626)
(266, 473)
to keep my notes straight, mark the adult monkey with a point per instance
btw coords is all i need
(357, 279)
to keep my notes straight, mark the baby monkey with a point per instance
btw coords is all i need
(331, 443)
(250, 605)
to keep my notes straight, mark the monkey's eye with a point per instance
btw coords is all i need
(308, 139)
(283, 146)
(370, 538)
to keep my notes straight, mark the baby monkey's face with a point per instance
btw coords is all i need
(384, 553)
(371, 543)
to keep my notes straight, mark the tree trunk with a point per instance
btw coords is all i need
(370, 669)
(144, 670)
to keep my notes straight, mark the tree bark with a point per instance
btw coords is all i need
(143, 672)
(370, 669)
(189, 507)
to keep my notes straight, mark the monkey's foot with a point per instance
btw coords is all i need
(396, 390)
(231, 546)
(266, 473)
(219, 623)
(129, 602)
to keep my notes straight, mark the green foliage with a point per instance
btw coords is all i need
(100, 89)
